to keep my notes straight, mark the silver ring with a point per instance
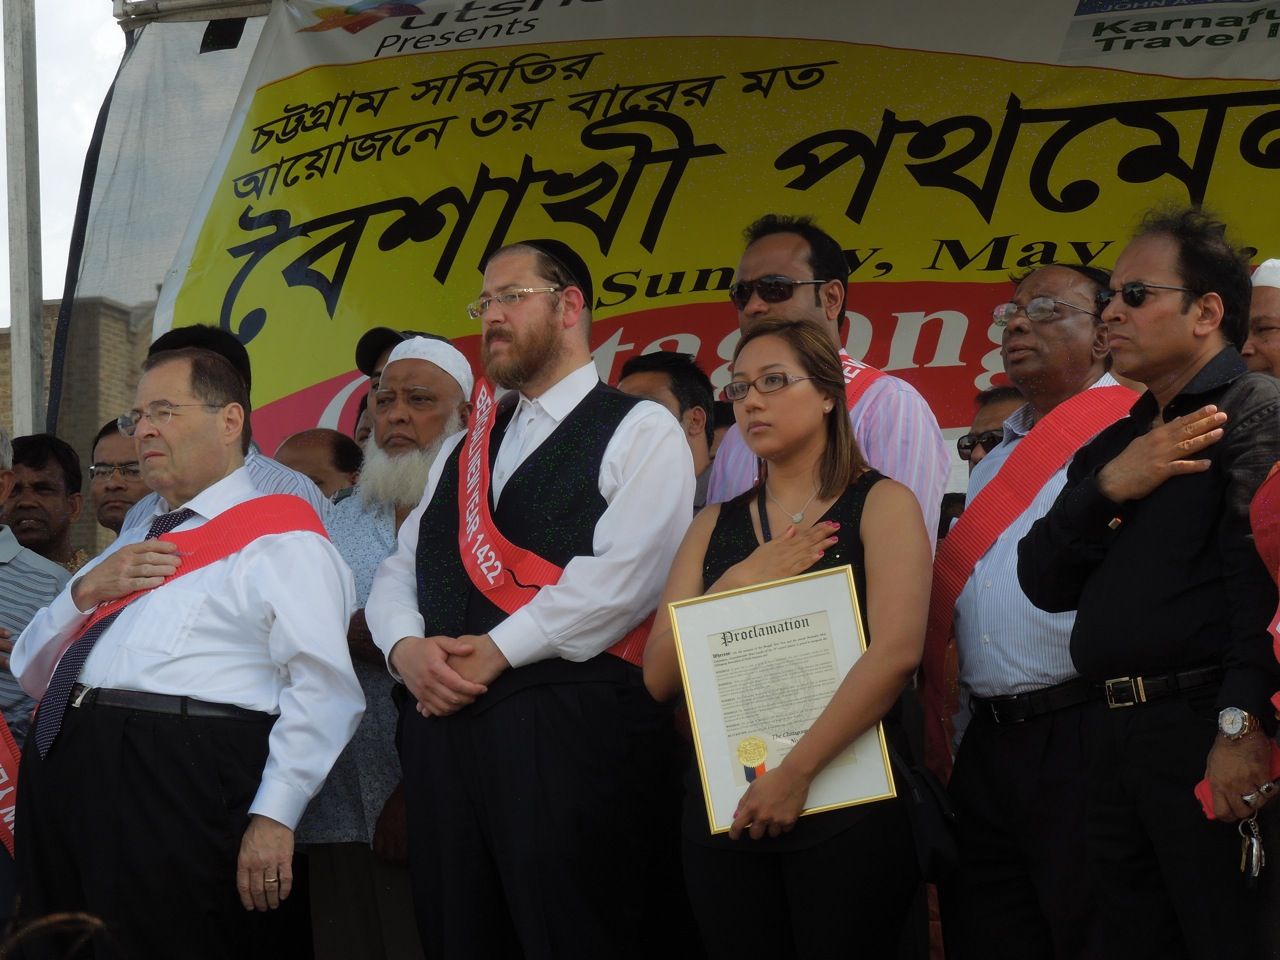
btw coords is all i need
(270, 879)
(1250, 798)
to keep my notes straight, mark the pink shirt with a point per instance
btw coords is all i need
(896, 432)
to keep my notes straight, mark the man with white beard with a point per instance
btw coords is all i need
(355, 828)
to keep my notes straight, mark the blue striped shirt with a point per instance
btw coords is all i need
(1007, 644)
(269, 476)
(27, 582)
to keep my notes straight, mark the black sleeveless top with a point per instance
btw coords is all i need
(732, 540)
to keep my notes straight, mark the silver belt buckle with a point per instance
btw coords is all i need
(77, 696)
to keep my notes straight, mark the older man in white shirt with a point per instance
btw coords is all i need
(182, 731)
(531, 761)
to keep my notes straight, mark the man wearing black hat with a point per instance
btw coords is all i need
(530, 752)
(374, 346)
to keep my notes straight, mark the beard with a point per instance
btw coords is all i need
(528, 354)
(398, 481)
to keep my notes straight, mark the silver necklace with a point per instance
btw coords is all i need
(798, 515)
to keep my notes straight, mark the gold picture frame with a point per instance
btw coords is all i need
(758, 665)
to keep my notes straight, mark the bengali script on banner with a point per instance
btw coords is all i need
(363, 194)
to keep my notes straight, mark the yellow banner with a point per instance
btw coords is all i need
(367, 194)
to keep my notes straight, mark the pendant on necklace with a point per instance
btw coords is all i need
(797, 517)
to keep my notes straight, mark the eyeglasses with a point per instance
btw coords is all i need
(736, 390)
(1134, 293)
(769, 289)
(478, 308)
(1037, 310)
(971, 441)
(158, 412)
(104, 471)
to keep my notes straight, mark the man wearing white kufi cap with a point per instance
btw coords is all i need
(1261, 351)
(354, 829)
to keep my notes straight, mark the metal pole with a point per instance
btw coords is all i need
(22, 151)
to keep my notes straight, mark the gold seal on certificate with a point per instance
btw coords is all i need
(759, 666)
(752, 752)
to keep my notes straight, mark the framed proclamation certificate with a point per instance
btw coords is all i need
(759, 665)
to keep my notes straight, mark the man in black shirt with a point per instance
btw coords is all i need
(1150, 543)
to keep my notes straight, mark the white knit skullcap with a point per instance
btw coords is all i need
(440, 352)
(1267, 274)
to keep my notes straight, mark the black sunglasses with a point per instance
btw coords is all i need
(970, 441)
(1134, 293)
(768, 289)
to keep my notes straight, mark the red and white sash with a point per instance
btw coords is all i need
(9, 757)
(227, 533)
(1040, 454)
(509, 576)
(858, 378)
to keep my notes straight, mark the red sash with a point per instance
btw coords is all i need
(858, 378)
(509, 576)
(227, 533)
(9, 757)
(1040, 454)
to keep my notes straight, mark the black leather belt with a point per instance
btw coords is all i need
(1131, 691)
(1021, 707)
(82, 696)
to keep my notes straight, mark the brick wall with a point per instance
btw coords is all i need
(104, 355)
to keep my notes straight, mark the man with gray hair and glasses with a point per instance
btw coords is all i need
(195, 689)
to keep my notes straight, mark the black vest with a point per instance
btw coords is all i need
(550, 505)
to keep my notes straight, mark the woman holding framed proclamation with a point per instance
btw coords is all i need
(838, 883)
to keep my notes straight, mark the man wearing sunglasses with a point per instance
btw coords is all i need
(1021, 890)
(994, 404)
(1150, 543)
(792, 270)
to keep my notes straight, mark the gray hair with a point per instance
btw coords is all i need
(6, 451)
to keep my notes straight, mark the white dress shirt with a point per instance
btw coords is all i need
(1006, 644)
(646, 478)
(269, 476)
(264, 629)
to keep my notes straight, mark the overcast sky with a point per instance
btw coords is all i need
(78, 48)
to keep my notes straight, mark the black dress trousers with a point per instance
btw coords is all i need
(137, 819)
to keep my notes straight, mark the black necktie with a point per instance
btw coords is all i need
(53, 706)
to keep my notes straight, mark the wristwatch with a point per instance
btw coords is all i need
(1234, 723)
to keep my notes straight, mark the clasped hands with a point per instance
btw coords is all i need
(445, 674)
